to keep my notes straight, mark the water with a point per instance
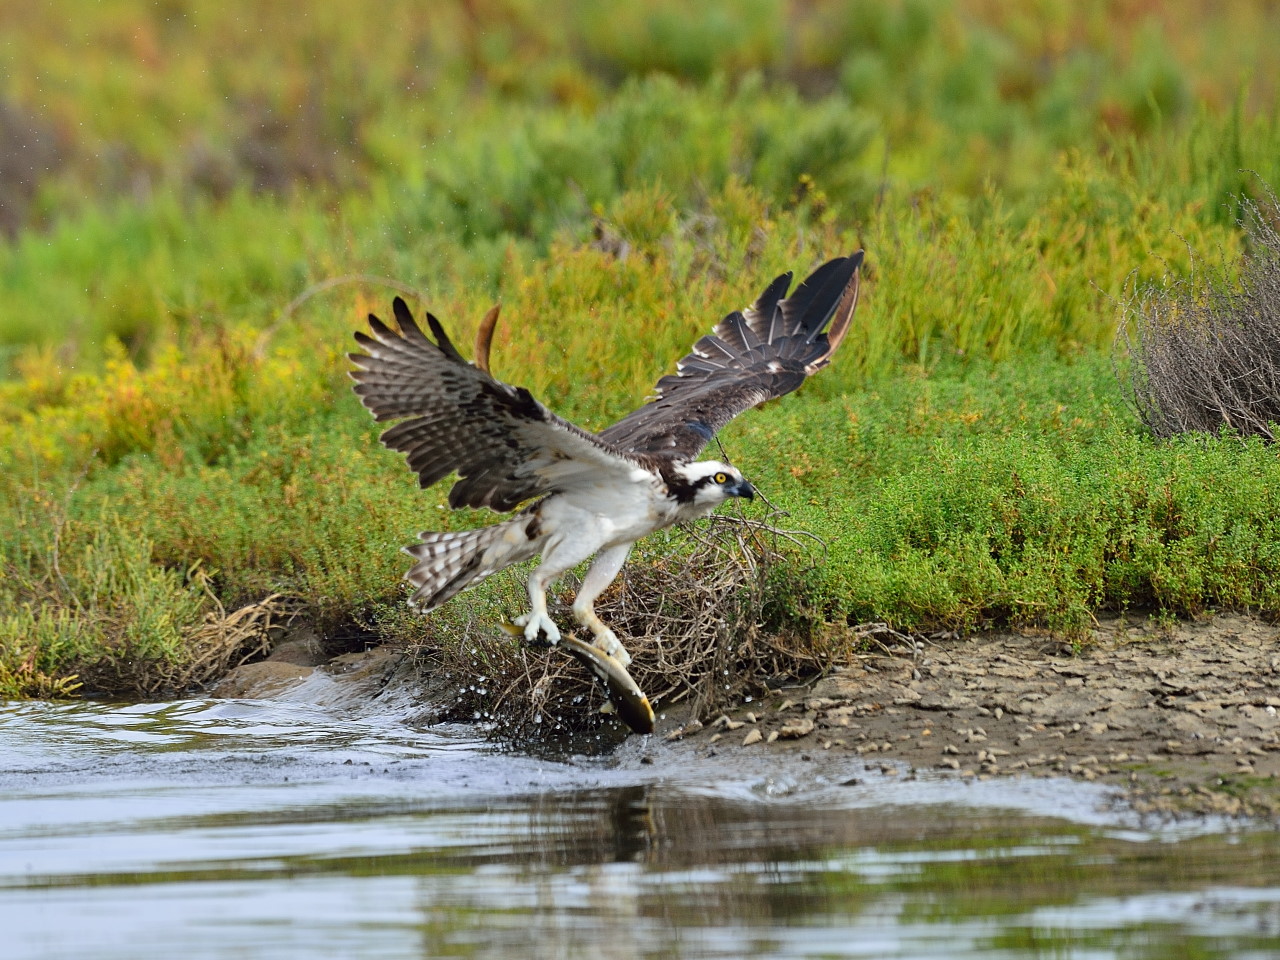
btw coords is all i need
(265, 830)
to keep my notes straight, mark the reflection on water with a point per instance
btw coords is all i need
(255, 830)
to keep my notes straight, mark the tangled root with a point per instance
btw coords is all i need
(221, 643)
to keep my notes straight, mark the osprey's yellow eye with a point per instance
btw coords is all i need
(722, 478)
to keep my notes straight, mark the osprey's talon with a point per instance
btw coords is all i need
(539, 633)
(608, 642)
(540, 630)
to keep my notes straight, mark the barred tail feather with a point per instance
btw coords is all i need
(449, 563)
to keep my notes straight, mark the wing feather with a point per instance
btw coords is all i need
(505, 446)
(763, 352)
(762, 315)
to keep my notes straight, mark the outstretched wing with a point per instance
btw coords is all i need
(763, 352)
(505, 446)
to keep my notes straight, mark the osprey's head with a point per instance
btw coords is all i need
(709, 483)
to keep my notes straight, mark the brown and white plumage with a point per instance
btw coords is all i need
(599, 492)
(761, 353)
(505, 446)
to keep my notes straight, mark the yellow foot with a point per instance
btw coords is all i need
(543, 638)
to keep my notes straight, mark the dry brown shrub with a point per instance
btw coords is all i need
(1205, 352)
(223, 642)
(701, 621)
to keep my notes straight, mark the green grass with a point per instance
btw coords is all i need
(175, 416)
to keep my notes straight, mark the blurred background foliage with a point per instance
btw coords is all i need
(161, 161)
(179, 183)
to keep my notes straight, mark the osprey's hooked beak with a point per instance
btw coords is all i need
(743, 489)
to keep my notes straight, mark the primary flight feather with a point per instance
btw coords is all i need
(593, 494)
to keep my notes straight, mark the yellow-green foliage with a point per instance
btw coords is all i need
(95, 598)
(618, 175)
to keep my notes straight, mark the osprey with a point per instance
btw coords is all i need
(595, 494)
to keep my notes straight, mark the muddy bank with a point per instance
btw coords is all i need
(1181, 719)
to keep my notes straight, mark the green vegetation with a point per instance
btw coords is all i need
(177, 431)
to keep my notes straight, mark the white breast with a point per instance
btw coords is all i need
(616, 513)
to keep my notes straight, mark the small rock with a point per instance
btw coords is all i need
(820, 703)
(796, 728)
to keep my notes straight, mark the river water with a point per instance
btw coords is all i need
(274, 830)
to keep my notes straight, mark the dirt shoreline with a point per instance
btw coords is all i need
(1183, 718)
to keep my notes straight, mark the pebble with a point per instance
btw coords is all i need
(797, 728)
